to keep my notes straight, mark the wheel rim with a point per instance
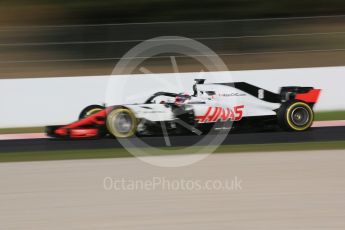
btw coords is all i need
(300, 116)
(123, 123)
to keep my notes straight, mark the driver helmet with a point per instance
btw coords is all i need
(181, 98)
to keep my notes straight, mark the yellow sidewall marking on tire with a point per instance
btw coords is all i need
(93, 111)
(112, 128)
(288, 117)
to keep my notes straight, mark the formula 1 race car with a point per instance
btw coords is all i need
(211, 106)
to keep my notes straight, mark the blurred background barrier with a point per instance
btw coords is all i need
(51, 39)
(75, 38)
(57, 12)
(49, 101)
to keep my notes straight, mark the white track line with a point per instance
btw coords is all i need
(24, 136)
(171, 39)
(178, 56)
(329, 123)
(49, 27)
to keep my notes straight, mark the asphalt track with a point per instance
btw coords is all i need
(279, 190)
(313, 135)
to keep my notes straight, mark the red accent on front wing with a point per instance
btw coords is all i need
(83, 133)
(95, 119)
(61, 131)
(310, 97)
(77, 129)
(77, 132)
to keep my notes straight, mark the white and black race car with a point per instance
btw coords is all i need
(210, 106)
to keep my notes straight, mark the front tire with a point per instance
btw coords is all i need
(122, 123)
(295, 116)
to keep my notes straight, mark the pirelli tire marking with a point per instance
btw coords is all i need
(297, 116)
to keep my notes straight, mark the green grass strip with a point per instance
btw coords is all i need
(22, 130)
(330, 115)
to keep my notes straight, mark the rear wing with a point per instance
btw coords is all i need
(306, 94)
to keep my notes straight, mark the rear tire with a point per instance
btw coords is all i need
(295, 116)
(122, 123)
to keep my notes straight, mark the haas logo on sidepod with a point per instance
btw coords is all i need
(214, 114)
